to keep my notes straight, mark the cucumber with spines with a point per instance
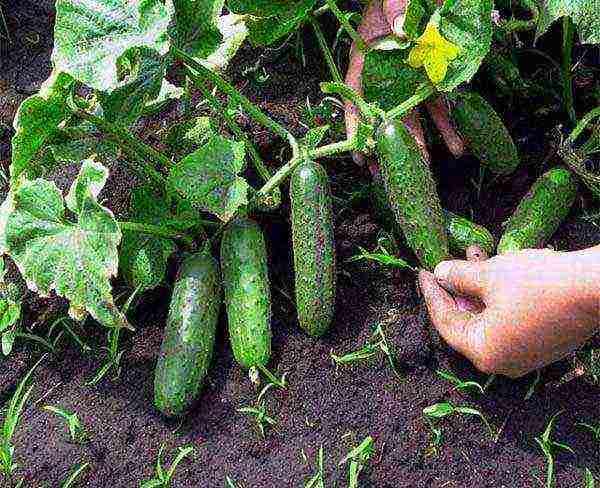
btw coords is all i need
(540, 212)
(314, 248)
(247, 293)
(189, 336)
(412, 193)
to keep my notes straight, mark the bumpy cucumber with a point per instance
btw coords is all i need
(484, 132)
(412, 193)
(462, 233)
(247, 294)
(540, 212)
(314, 248)
(189, 337)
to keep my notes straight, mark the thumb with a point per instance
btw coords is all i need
(462, 330)
(395, 13)
(462, 277)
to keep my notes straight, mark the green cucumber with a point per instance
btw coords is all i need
(540, 212)
(484, 133)
(314, 248)
(412, 193)
(462, 233)
(189, 337)
(247, 294)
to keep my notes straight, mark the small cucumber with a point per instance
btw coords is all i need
(462, 233)
(540, 212)
(247, 294)
(314, 248)
(189, 337)
(484, 132)
(412, 193)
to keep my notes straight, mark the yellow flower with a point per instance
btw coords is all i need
(434, 52)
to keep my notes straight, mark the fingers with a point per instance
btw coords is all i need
(373, 25)
(462, 278)
(462, 330)
(412, 122)
(438, 109)
(476, 253)
(395, 13)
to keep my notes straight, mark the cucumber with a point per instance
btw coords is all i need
(247, 294)
(412, 193)
(484, 133)
(314, 248)
(189, 337)
(461, 232)
(540, 212)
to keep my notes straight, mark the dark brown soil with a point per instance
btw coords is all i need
(322, 405)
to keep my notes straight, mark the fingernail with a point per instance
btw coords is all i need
(442, 274)
(398, 26)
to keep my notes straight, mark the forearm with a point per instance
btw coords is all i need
(586, 274)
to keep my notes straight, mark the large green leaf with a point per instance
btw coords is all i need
(272, 19)
(142, 84)
(234, 31)
(75, 259)
(143, 258)
(389, 80)
(209, 179)
(37, 122)
(91, 35)
(197, 31)
(584, 13)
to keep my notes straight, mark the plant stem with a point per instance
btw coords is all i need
(568, 32)
(156, 230)
(356, 37)
(582, 124)
(517, 25)
(252, 110)
(321, 10)
(320, 152)
(127, 139)
(333, 69)
(422, 93)
(259, 164)
(367, 111)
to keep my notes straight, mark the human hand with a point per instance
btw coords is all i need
(381, 19)
(539, 306)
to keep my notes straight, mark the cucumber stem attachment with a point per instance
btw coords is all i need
(422, 93)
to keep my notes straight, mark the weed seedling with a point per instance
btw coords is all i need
(367, 351)
(550, 447)
(12, 417)
(439, 411)
(471, 386)
(358, 459)
(593, 429)
(74, 475)
(229, 483)
(77, 430)
(162, 478)
(272, 379)
(588, 479)
(259, 412)
(318, 479)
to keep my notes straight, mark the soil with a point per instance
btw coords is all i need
(322, 406)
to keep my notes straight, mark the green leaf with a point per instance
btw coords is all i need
(142, 85)
(143, 258)
(315, 136)
(10, 316)
(8, 339)
(439, 410)
(37, 122)
(76, 259)
(90, 37)
(272, 19)
(209, 179)
(196, 31)
(583, 13)
(233, 32)
(389, 80)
